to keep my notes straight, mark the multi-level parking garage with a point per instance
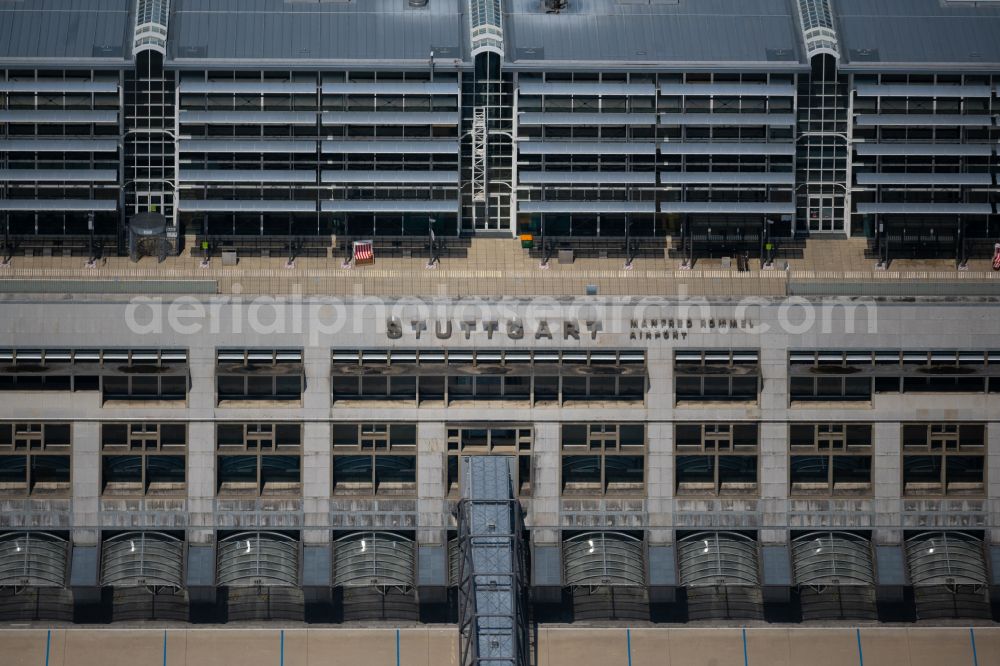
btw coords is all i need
(723, 126)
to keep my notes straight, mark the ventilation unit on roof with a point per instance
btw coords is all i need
(554, 6)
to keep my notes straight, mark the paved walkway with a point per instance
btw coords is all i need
(496, 267)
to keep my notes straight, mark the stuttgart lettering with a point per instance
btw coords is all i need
(511, 329)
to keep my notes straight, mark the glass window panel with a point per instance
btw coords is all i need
(50, 470)
(801, 387)
(145, 386)
(288, 434)
(260, 386)
(972, 435)
(488, 387)
(403, 387)
(737, 469)
(716, 387)
(279, 470)
(165, 470)
(581, 473)
(574, 435)
(432, 388)
(695, 469)
(229, 434)
(745, 387)
(395, 473)
(116, 386)
(624, 473)
(460, 387)
(632, 435)
(352, 474)
(288, 386)
(852, 469)
(237, 470)
(810, 469)
(13, 472)
(404, 434)
(345, 434)
(922, 469)
(574, 387)
(517, 387)
(967, 470)
(688, 435)
(57, 434)
(121, 469)
(344, 386)
(858, 435)
(374, 386)
(602, 387)
(230, 386)
(631, 387)
(546, 388)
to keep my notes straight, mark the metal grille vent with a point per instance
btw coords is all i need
(832, 558)
(718, 558)
(263, 559)
(454, 563)
(35, 559)
(374, 559)
(946, 558)
(142, 559)
(604, 559)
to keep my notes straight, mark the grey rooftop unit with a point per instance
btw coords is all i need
(946, 558)
(142, 559)
(258, 559)
(374, 559)
(832, 558)
(710, 559)
(33, 559)
(595, 559)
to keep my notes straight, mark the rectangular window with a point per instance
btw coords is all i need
(260, 374)
(447, 376)
(717, 375)
(855, 375)
(513, 440)
(716, 459)
(830, 375)
(830, 458)
(120, 374)
(35, 459)
(944, 459)
(259, 459)
(603, 459)
(143, 459)
(371, 459)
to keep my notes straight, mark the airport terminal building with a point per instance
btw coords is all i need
(670, 461)
(489, 445)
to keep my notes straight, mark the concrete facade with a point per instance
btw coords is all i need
(318, 326)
